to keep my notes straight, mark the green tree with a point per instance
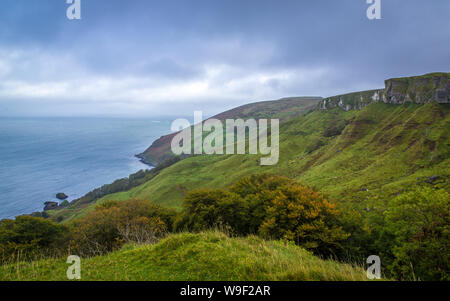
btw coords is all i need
(420, 222)
(28, 236)
(272, 206)
(205, 209)
(113, 223)
(258, 191)
(300, 214)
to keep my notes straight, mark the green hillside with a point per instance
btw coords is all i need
(204, 256)
(283, 109)
(353, 156)
(381, 168)
(382, 159)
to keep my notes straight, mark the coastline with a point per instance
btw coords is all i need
(43, 213)
(42, 156)
(144, 160)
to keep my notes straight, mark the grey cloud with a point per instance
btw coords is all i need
(209, 54)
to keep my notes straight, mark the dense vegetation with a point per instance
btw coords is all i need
(410, 236)
(105, 229)
(255, 204)
(271, 206)
(27, 237)
(414, 235)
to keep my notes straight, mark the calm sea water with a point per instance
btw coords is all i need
(40, 157)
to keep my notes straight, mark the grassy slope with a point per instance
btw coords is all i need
(383, 150)
(204, 256)
(283, 109)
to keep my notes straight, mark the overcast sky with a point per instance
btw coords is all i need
(168, 57)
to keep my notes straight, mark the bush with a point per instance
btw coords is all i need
(206, 209)
(272, 206)
(419, 220)
(142, 230)
(112, 224)
(258, 191)
(27, 237)
(64, 203)
(304, 216)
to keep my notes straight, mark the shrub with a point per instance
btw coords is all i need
(304, 216)
(27, 237)
(205, 209)
(272, 206)
(64, 203)
(112, 224)
(258, 191)
(419, 220)
(142, 230)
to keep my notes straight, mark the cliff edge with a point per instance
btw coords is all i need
(433, 87)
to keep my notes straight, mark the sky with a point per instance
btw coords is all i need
(168, 58)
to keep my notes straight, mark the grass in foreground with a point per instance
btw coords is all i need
(207, 256)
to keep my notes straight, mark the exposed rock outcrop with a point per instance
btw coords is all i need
(433, 87)
(352, 101)
(50, 205)
(61, 196)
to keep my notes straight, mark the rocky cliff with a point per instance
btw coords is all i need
(417, 89)
(433, 87)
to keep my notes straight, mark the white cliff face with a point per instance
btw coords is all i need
(352, 101)
(376, 97)
(434, 87)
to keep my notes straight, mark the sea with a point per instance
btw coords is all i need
(40, 157)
